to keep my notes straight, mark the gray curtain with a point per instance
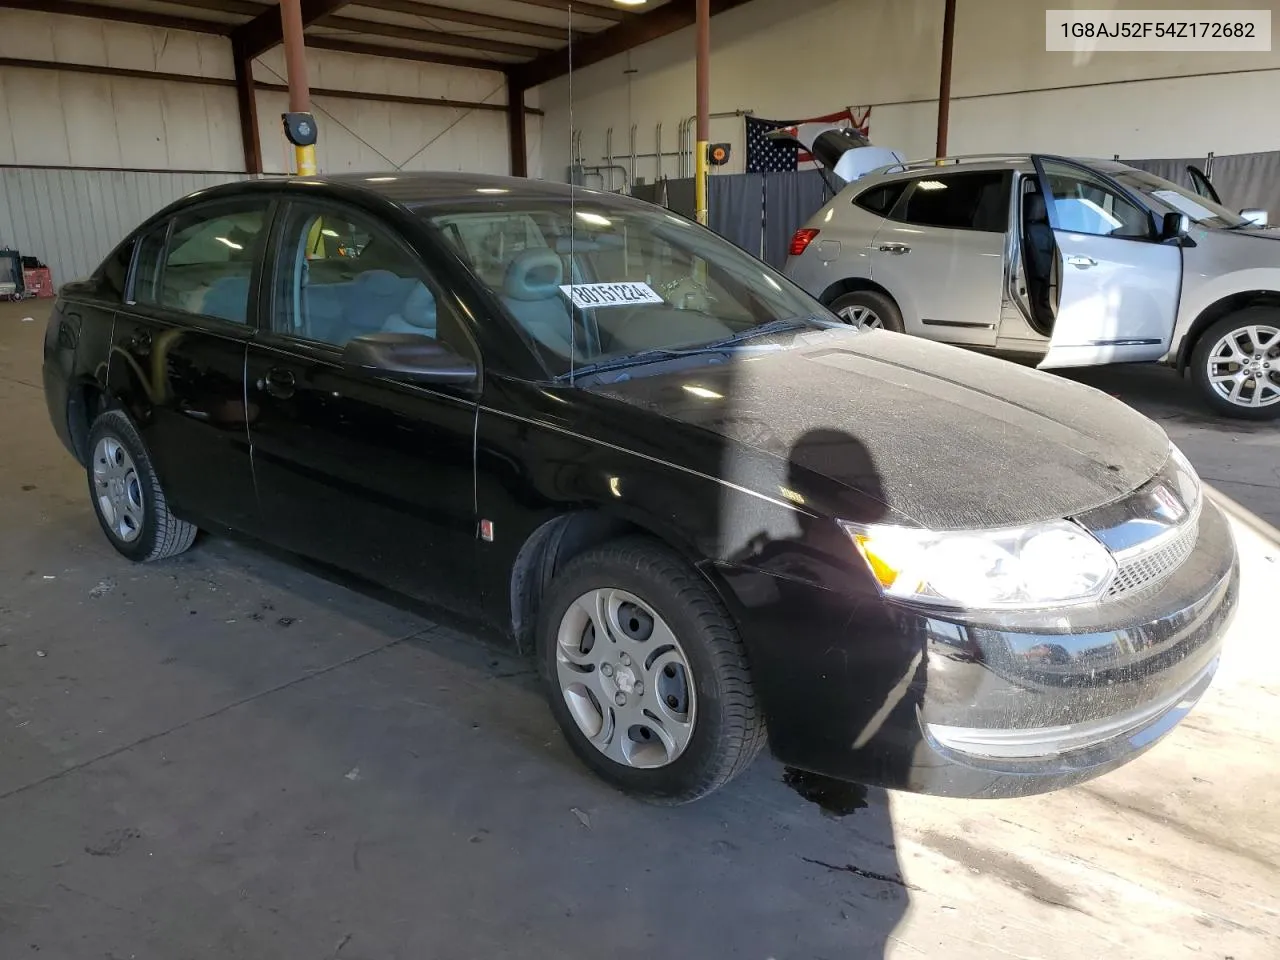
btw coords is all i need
(1175, 170)
(1249, 180)
(680, 197)
(733, 209)
(1242, 179)
(790, 199)
(647, 192)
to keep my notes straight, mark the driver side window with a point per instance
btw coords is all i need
(1085, 203)
(340, 277)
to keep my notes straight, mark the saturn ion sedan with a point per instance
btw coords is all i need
(717, 516)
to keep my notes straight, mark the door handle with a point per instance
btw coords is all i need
(279, 383)
(1084, 263)
(895, 248)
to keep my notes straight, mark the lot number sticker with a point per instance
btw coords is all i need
(588, 295)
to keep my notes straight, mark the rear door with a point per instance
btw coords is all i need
(941, 254)
(1118, 284)
(178, 353)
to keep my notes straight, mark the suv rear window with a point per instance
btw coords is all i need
(957, 201)
(882, 198)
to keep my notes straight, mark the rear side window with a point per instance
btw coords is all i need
(882, 198)
(957, 201)
(115, 272)
(204, 265)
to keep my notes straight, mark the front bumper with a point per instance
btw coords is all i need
(1006, 705)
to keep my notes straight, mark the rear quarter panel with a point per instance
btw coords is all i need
(842, 249)
(76, 351)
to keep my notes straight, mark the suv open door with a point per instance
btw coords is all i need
(1201, 185)
(1118, 284)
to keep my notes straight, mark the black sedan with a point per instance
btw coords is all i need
(716, 516)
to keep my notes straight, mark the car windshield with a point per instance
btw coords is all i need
(1167, 197)
(603, 281)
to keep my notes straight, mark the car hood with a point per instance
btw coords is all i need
(920, 431)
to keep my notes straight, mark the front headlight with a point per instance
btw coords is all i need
(1048, 564)
(1189, 483)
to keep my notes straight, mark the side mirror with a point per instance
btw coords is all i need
(1257, 217)
(409, 357)
(1175, 226)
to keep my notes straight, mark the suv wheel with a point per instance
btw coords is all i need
(126, 495)
(1236, 364)
(646, 674)
(868, 310)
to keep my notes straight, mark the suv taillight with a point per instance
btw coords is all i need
(800, 241)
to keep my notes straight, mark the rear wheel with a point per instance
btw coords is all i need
(1236, 364)
(868, 310)
(126, 495)
(646, 674)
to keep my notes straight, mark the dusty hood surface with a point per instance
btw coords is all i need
(945, 437)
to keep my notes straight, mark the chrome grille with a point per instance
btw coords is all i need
(1147, 566)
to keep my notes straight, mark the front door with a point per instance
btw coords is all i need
(370, 475)
(178, 355)
(1201, 184)
(941, 253)
(1118, 283)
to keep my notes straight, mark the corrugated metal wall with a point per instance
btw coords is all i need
(71, 219)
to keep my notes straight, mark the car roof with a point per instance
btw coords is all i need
(415, 189)
(913, 169)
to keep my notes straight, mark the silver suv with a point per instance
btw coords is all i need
(1064, 262)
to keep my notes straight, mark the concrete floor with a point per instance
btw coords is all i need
(229, 756)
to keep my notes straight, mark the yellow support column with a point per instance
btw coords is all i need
(703, 83)
(306, 158)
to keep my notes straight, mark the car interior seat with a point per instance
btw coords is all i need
(417, 314)
(227, 298)
(531, 294)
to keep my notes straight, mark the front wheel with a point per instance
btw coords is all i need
(646, 674)
(1236, 364)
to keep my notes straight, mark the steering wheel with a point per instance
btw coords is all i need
(687, 293)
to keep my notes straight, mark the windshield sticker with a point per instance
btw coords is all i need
(1183, 205)
(588, 295)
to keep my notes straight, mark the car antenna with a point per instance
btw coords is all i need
(572, 206)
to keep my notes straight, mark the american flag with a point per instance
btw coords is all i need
(783, 156)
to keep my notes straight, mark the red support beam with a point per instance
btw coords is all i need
(145, 18)
(451, 15)
(266, 31)
(247, 102)
(517, 138)
(585, 9)
(241, 8)
(665, 20)
(402, 53)
(439, 37)
(944, 79)
(55, 66)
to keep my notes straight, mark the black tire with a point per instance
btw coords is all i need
(878, 303)
(728, 728)
(1248, 317)
(160, 534)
